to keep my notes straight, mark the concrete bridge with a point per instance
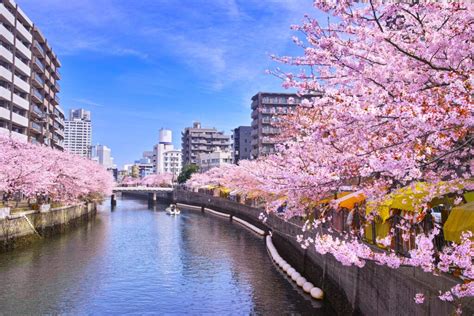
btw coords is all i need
(153, 193)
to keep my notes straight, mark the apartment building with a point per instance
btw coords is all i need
(198, 140)
(267, 109)
(29, 102)
(242, 137)
(78, 133)
(164, 157)
(167, 158)
(215, 159)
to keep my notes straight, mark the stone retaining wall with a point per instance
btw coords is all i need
(371, 290)
(16, 230)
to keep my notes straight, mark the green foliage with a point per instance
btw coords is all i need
(186, 173)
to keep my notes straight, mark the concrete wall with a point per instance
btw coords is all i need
(372, 290)
(16, 230)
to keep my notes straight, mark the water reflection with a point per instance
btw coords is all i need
(136, 260)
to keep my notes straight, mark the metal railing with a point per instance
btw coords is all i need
(38, 63)
(38, 94)
(38, 47)
(38, 79)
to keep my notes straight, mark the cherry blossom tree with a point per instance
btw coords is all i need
(35, 171)
(158, 180)
(396, 110)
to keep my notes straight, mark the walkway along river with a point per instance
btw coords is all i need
(137, 260)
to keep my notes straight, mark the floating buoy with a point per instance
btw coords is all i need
(317, 293)
(300, 281)
(295, 275)
(307, 287)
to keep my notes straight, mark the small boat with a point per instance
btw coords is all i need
(173, 211)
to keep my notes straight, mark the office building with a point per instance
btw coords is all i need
(78, 133)
(198, 140)
(103, 155)
(29, 102)
(145, 167)
(267, 108)
(242, 137)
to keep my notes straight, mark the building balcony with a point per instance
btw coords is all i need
(38, 65)
(19, 136)
(6, 55)
(55, 100)
(19, 119)
(56, 87)
(60, 132)
(21, 102)
(23, 49)
(56, 75)
(269, 120)
(270, 131)
(36, 95)
(38, 49)
(36, 127)
(24, 68)
(6, 34)
(37, 111)
(5, 93)
(269, 140)
(5, 113)
(23, 85)
(5, 74)
(24, 32)
(8, 16)
(37, 80)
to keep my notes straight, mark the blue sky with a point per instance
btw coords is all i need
(142, 65)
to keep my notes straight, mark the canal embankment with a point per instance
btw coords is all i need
(371, 290)
(20, 229)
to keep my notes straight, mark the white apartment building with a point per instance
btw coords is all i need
(172, 161)
(206, 161)
(166, 158)
(29, 105)
(78, 133)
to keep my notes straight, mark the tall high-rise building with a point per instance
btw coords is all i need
(103, 155)
(242, 137)
(267, 107)
(78, 133)
(197, 140)
(29, 102)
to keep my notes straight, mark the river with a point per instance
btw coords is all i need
(135, 260)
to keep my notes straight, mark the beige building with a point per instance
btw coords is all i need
(29, 104)
(267, 108)
(201, 140)
(206, 161)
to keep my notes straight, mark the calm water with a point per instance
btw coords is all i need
(140, 261)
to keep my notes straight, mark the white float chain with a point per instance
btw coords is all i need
(216, 212)
(250, 226)
(192, 207)
(308, 287)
